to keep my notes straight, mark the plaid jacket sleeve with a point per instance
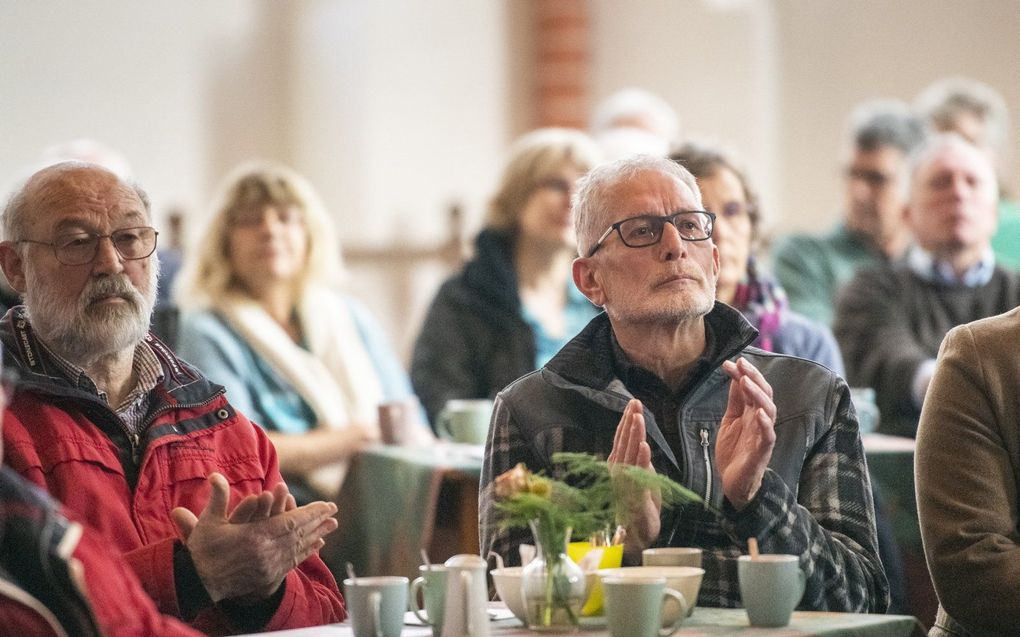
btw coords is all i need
(829, 521)
(504, 449)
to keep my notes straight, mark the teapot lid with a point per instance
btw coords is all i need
(466, 560)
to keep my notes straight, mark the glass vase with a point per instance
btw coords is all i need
(552, 585)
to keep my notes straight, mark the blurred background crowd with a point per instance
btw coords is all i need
(439, 143)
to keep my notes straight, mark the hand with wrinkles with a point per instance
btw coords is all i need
(631, 447)
(246, 554)
(747, 433)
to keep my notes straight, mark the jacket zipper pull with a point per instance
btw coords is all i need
(135, 440)
(708, 465)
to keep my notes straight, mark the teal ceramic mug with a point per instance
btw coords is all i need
(634, 606)
(465, 420)
(771, 587)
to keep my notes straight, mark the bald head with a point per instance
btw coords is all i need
(85, 307)
(54, 185)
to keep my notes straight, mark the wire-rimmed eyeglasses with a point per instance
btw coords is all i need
(646, 230)
(80, 248)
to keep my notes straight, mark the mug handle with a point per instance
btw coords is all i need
(412, 601)
(680, 599)
(375, 601)
(801, 583)
(443, 425)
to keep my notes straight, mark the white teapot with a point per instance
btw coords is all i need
(465, 612)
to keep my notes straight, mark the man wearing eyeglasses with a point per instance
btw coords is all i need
(813, 269)
(131, 439)
(665, 379)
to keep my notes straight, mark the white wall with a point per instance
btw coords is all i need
(397, 108)
(776, 79)
(836, 54)
(135, 75)
(714, 62)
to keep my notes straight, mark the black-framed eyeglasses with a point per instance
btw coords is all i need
(79, 248)
(646, 230)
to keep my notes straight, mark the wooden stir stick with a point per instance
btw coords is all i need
(752, 547)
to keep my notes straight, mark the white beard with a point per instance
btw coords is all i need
(84, 333)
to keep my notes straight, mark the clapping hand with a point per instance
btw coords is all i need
(747, 433)
(631, 447)
(245, 554)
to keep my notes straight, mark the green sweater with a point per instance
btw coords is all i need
(813, 269)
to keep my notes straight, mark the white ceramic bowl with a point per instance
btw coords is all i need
(508, 585)
(684, 579)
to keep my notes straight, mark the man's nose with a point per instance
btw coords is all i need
(672, 244)
(107, 260)
(859, 189)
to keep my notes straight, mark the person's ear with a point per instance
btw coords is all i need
(716, 261)
(13, 266)
(588, 281)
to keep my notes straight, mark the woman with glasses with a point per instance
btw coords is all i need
(262, 319)
(514, 305)
(726, 192)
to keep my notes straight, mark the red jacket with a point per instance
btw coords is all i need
(40, 591)
(73, 445)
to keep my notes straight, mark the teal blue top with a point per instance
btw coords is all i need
(577, 313)
(1006, 242)
(256, 389)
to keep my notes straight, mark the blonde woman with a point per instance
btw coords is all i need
(262, 319)
(514, 305)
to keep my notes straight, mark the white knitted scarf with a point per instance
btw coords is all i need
(335, 375)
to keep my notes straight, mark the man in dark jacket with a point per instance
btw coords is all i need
(132, 440)
(665, 380)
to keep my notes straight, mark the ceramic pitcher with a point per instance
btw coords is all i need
(465, 612)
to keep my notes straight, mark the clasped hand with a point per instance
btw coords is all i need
(743, 449)
(246, 553)
(630, 447)
(747, 433)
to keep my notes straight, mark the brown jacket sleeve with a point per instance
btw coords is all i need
(966, 475)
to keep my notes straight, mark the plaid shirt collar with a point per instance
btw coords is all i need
(145, 365)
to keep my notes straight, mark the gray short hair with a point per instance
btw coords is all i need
(592, 196)
(28, 193)
(942, 102)
(639, 103)
(886, 123)
(936, 143)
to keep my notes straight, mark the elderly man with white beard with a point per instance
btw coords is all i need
(134, 441)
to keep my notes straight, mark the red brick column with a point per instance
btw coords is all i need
(561, 62)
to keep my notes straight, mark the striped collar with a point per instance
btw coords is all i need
(144, 364)
(925, 265)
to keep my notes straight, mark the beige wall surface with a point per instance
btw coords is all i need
(836, 54)
(398, 108)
